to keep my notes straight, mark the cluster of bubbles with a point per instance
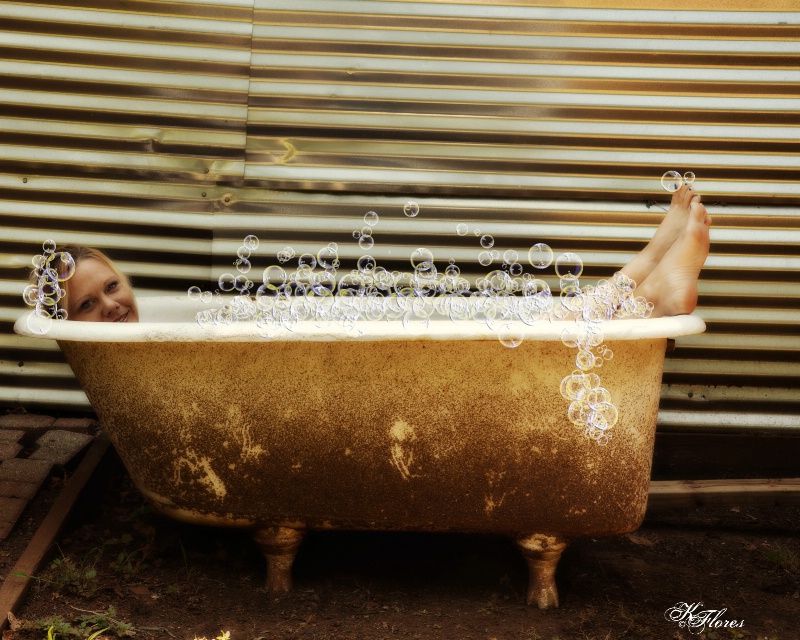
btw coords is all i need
(672, 180)
(590, 407)
(51, 269)
(506, 299)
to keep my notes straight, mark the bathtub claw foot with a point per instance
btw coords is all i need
(279, 546)
(542, 552)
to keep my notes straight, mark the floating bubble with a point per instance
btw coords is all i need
(366, 264)
(421, 256)
(510, 256)
(206, 297)
(251, 242)
(584, 360)
(64, 265)
(411, 209)
(328, 258)
(307, 260)
(452, 271)
(510, 336)
(39, 322)
(569, 266)
(515, 269)
(487, 241)
(242, 283)
(242, 265)
(578, 413)
(226, 282)
(485, 258)
(366, 242)
(48, 246)
(688, 177)
(194, 293)
(671, 181)
(370, 218)
(243, 253)
(540, 256)
(462, 229)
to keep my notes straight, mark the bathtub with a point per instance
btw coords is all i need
(375, 428)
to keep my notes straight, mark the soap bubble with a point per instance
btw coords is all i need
(485, 258)
(569, 266)
(510, 256)
(226, 282)
(515, 269)
(39, 322)
(584, 360)
(328, 258)
(510, 336)
(411, 209)
(540, 256)
(306, 260)
(421, 256)
(366, 264)
(251, 242)
(241, 283)
(242, 265)
(462, 229)
(194, 293)
(243, 253)
(370, 218)
(671, 181)
(64, 266)
(688, 177)
(487, 241)
(48, 246)
(206, 296)
(366, 242)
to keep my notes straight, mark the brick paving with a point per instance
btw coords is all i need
(32, 446)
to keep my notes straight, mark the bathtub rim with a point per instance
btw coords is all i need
(445, 329)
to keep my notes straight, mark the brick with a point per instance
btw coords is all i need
(26, 421)
(23, 490)
(11, 435)
(9, 450)
(23, 470)
(81, 425)
(10, 511)
(60, 447)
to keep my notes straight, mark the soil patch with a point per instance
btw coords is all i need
(122, 566)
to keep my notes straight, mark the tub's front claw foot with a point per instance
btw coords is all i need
(279, 546)
(542, 552)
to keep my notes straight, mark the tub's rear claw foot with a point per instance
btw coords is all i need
(279, 546)
(542, 552)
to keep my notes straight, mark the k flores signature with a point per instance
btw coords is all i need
(692, 616)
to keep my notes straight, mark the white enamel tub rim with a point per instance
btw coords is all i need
(155, 312)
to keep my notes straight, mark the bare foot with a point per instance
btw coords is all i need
(668, 232)
(672, 284)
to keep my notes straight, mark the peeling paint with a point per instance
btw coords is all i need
(402, 434)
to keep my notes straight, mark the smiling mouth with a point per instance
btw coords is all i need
(123, 317)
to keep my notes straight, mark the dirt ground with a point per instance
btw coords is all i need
(121, 567)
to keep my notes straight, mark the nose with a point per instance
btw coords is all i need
(109, 306)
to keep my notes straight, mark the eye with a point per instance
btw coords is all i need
(112, 286)
(85, 305)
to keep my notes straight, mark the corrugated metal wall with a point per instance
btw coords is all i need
(166, 131)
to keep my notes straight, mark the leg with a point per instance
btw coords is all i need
(279, 546)
(542, 553)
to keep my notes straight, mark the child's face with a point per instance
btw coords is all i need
(97, 294)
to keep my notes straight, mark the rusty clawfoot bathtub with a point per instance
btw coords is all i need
(322, 428)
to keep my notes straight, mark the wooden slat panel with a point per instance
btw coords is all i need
(166, 131)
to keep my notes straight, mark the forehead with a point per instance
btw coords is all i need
(90, 273)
